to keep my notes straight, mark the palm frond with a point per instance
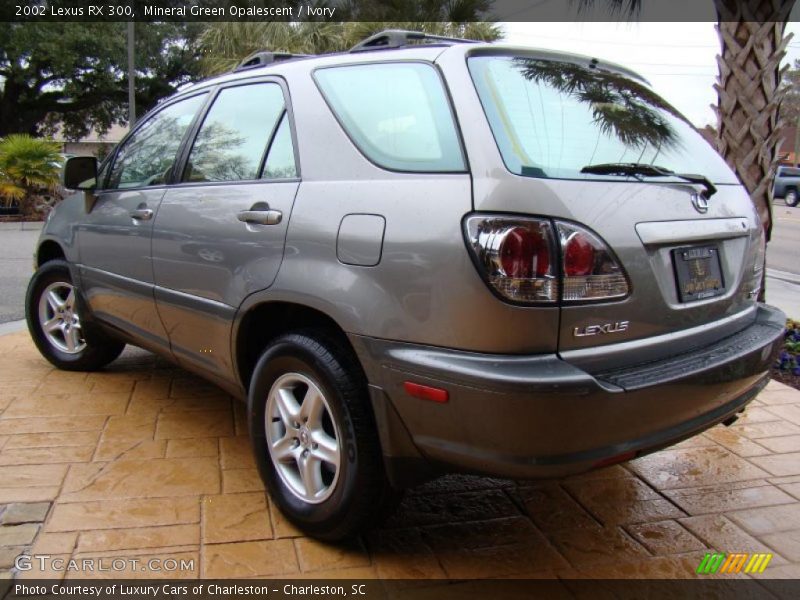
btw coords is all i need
(223, 45)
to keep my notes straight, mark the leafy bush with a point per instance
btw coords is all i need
(788, 358)
(29, 171)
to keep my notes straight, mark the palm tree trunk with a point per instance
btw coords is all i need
(748, 91)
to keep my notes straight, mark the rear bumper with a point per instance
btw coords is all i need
(539, 416)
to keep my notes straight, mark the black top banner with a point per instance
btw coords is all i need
(22, 11)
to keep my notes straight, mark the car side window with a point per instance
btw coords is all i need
(280, 158)
(397, 114)
(147, 156)
(233, 138)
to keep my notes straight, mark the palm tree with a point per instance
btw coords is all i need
(749, 130)
(223, 45)
(620, 106)
(29, 167)
(749, 94)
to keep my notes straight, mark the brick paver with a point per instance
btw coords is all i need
(146, 461)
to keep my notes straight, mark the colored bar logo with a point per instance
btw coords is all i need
(741, 562)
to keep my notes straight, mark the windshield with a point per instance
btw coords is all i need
(552, 119)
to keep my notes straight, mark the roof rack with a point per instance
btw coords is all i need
(398, 38)
(263, 57)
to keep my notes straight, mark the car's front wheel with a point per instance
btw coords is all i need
(791, 198)
(53, 313)
(314, 437)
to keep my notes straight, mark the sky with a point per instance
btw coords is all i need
(677, 58)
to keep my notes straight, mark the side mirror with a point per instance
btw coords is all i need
(80, 173)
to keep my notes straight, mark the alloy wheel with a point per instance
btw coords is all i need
(59, 319)
(302, 437)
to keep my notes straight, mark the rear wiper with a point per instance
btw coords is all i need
(643, 170)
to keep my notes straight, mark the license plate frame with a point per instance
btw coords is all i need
(698, 273)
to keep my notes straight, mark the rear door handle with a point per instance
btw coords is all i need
(142, 214)
(260, 217)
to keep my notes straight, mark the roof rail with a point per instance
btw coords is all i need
(398, 38)
(263, 57)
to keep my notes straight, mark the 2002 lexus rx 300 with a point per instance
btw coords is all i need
(415, 258)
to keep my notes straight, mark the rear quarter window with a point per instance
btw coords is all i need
(397, 114)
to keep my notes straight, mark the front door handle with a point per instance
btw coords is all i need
(260, 217)
(142, 214)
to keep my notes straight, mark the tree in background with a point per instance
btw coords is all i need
(790, 105)
(224, 45)
(74, 74)
(749, 94)
(29, 169)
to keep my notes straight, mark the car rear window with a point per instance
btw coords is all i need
(397, 114)
(552, 119)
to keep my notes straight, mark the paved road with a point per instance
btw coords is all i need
(783, 252)
(783, 262)
(16, 264)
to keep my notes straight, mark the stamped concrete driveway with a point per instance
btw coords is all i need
(146, 461)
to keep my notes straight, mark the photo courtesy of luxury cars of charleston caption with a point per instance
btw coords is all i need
(421, 256)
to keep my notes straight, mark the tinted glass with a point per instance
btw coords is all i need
(231, 142)
(552, 119)
(148, 155)
(280, 160)
(397, 114)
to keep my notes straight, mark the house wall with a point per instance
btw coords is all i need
(98, 149)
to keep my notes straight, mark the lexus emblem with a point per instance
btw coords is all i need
(700, 203)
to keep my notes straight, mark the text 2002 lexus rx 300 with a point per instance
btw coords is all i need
(410, 259)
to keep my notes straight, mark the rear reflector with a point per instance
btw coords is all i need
(425, 392)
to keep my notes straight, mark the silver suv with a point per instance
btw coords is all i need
(420, 256)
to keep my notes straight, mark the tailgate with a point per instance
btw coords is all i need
(589, 144)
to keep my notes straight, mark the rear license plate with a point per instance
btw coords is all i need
(698, 273)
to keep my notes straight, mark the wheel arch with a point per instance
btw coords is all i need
(49, 250)
(256, 325)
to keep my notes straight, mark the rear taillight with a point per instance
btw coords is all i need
(519, 258)
(590, 270)
(515, 256)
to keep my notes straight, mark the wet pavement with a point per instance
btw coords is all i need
(145, 461)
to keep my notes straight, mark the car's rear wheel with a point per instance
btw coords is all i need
(53, 312)
(314, 437)
(791, 198)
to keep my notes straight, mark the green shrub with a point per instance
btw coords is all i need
(29, 170)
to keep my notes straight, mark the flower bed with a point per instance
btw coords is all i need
(787, 367)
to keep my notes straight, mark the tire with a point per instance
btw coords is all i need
(791, 198)
(70, 344)
(324, 422)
